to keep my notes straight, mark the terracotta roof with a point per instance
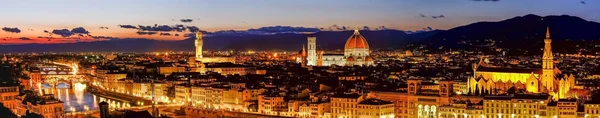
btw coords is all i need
(356, 41)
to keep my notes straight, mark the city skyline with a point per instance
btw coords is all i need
(32, 19)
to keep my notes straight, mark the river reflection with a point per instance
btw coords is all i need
(78, 99)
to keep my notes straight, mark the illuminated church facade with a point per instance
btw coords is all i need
(547, 79)
(356, 52)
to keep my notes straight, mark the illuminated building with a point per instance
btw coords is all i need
(356, 52)
(8, 97)
(182, 93)
(46, 105)
(312, 51)
(498, 80)
(228, 68)
(199, 43)
(358, 106)
(272, 104)
(166, 70)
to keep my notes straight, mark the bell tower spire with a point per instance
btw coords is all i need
(548, 63)
(199, 43)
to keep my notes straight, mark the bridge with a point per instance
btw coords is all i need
(58, 75)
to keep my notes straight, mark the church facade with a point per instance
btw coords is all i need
(547, 79)
(356, 52)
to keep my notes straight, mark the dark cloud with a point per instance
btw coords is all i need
(176, 34)
(102, 37)
(366, 28)
(103, 27)
(193, 28)
(486, 0)
(344, 28)
(11, 30)
(422, 15)
(189, 35)
(145, 33)
(440, 16)
(165, 34)
(582, 2)
(45, 37)
(46, 31)
(186, 20)
(128, 26)
(24, 38)
(67, 33)
(80, 30)
(162, 28)
(62, 32)
(381, 28)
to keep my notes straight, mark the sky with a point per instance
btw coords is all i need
(102, 18)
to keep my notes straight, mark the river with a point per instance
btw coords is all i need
(77, 98)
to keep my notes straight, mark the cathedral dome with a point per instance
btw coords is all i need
(356, 41)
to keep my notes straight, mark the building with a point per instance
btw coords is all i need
(546, 79)
(228, 68)
(199, 43)
(359, 106)
(312, 51)
(356, 52)
(8, 97)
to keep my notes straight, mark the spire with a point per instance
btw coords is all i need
(303, 50)
(547, 32)
(356, 29)
(198, 35)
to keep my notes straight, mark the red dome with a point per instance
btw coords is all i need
(356, 41)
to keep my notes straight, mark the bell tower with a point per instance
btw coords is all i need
(548, 63)
(199, 44)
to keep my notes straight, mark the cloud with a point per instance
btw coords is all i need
(422, 15)
(440, 16)
(62, 32)
(145, 33)
(162, 28)
(176, 34)
(11, 30)
(103, 27)
(186, 20)
(165, 34)
(128, 26)
(366, 28)
(189, 35)
(102, 37)
(193, 28)
(24, 38)
(67, 33)
(582, 2)
(79, 30)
